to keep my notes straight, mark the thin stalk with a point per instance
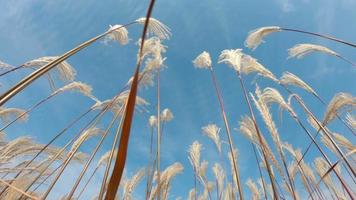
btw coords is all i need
(326, 158)
(260, 171)
(158, 137)
(86, 184)
(128, 117)
(71, 193)
(93, 121)
(28, 110)
(275, 195)
(226, 123)
(48, 144)
(44, 69)
(18, 190)
(11, 70)
(320, 35)
(103, 185)
(150, 161)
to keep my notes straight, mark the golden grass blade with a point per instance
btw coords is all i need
(126, 127)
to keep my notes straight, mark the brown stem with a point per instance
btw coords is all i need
(44, 69)
(275, 195)
(320, 35)
(69, 196)
(226, 123)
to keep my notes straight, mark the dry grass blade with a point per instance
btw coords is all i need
(127, 121)
(255, 37)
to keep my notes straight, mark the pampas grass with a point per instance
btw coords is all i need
(255, 37)
(213, 132)
(340, 102)
(118, 33)
(156, 27)
(32, 163)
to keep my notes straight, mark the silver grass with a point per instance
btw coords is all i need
(255, 193)
(146, 80)
(343, 142)
(228, 192)
(120, 34)
(132, 183)
(166, 177)
(156, 27)
(202, 171)
(301, 50)
(152, 121)
(15, 144)
(79, 87)
(152, 47)
(291, 79)
(351, 120)
(236, 173)
(271, 95)
(118, 101)
(7, 113)
(191, 195)
(194, 155)
(321, 167)
(105, 158)
(213, 132)
(166, 115)
(340, 102)
(169, 173)
(22, 183)
(66, 71)
(87, 134)
(247, 128)
(154, 64)
(231, 57)
(219, 174)
(203, 60)
(204, 196)
(251, 65)
(255, 37)
(5, 66)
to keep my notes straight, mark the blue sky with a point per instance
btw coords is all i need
(32, 29)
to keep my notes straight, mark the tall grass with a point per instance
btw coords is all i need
(30, 170)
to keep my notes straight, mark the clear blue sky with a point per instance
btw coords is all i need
(31, 29)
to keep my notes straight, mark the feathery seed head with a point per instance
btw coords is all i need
(301, 50)
(166, 115)
(340, 102)
(291, 79)
(156, 27)
(212, 131)
(255, 37)
(194, 155)
(119, 34)
(203, 60)
(231, 57)
(66, 71)
(152, 121)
